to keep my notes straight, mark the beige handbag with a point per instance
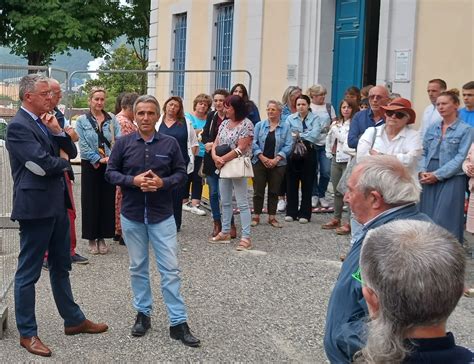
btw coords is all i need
(237, 168)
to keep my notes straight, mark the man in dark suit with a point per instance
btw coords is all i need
(39, 150)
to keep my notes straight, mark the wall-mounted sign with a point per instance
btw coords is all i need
(402, 65)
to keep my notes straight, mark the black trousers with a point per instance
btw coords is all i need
(98, 203)
(300, 172)
(263, 177)
(178, 195)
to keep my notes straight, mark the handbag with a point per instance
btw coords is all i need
(237, 168)
(299, 150)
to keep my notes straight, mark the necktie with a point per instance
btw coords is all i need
(41, 125)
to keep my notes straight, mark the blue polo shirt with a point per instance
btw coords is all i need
(131, 156)
(360, 122)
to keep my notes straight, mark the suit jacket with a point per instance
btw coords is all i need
(39, 189)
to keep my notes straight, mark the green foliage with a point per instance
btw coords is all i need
(137, 27)
(38, 30)
(115, 83)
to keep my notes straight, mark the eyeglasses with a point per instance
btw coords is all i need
(357, 276)
(378, 97)
(396, 114)
(43, 94)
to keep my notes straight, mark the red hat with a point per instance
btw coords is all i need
(401, 104)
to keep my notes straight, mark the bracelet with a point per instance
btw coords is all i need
(238, 152)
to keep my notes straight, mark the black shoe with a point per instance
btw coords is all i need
(121, 241)
(45, 265)
(182, 332)
(142, 324)
(117, 237)
(79, 259)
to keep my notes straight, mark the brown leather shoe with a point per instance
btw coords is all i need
(344, 229)
(217, 227)
(233, 231)
(34, 345)
(333, 224)
(86, 327)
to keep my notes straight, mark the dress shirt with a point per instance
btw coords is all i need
(360, 122)
(406, 146)
(131, 156)
(430, 117)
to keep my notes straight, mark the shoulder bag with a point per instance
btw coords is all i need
(237, 168)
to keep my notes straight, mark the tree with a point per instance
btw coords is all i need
(122, 58)
(37, 30)
(137, 27)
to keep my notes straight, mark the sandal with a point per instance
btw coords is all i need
(244, 244)
(221, 238)
(93, 248)
(255, 221)
(273, 222)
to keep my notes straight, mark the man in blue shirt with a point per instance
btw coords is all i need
(466, 114)
(375, 199)
(373, 116)
(147, 165)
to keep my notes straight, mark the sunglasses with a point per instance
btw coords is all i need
(397, 114)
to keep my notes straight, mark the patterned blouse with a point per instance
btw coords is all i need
(126, 125)
(231, 136)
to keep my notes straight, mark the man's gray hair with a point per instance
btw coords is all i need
(147, 98)
(416, 269)
(387, 175)
(28, 83)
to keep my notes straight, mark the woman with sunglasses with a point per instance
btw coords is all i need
(445, 147)
(395, 137)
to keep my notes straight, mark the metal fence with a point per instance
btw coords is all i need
(9, 237)
(160, 82)
(10, 76)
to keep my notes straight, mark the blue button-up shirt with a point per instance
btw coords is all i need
(131, 156)
(360, 122)
(283, 140)
(453, 148)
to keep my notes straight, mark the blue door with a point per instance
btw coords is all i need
(348, 47)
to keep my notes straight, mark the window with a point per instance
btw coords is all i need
(223, 56)
(179, 56)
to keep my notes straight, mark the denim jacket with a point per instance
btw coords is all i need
(453, 149)
(283, 140)
(89, 140)
(313, 123)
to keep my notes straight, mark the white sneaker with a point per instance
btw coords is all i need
(196, 210)
(314, 201)
(288, 219)
(187, 207)
(302, 220)
(281, 205)
(323, 202)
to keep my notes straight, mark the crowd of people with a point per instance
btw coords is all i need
(142, 166)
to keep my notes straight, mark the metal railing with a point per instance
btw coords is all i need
(10, 76)
(160, 82)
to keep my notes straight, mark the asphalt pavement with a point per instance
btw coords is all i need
(265, 305)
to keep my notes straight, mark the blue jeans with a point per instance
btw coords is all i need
(213, 182)
(162, 237)
(323, 167)
(240, 189)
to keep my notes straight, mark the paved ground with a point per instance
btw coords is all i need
(267, 305)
